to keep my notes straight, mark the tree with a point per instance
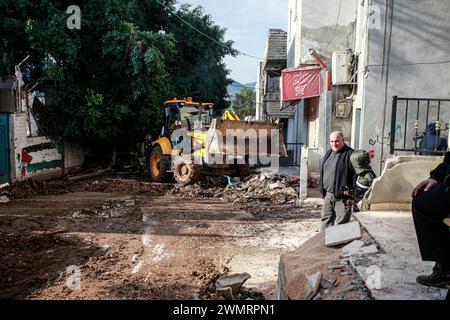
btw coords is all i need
(198, 70)
(244, 102)
(114, 73)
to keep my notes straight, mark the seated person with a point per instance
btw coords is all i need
(430, 206)
(431, 141)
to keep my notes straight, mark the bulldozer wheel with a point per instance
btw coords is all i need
(185, 173)
(159, 165)
(243, 170)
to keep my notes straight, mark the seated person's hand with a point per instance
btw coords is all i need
(346, 193)
(424, 186)
(359, 205)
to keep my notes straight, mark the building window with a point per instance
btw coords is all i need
(273, 84)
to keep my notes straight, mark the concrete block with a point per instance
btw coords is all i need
(342, 233)
(352, 248)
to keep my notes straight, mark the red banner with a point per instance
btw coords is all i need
(300, 83)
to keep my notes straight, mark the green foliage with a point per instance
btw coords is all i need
(244, 102)
(114, 73)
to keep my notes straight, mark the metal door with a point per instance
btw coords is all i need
(4, 148)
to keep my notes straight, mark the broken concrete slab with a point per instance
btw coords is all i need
(226, 293)
(308, 292)
(314, 281)
(368, 249)
(392, 190)
(352, 248)
(342, 233)
(234, 281)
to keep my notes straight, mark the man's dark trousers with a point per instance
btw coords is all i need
(429, 209)
(339, 211)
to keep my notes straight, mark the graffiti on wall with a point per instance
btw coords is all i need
(23, 160)
(398, 134)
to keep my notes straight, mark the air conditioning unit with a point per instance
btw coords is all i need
(341, 67)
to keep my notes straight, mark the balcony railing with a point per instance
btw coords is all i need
(272, 96)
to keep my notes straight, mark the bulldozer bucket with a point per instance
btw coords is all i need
(243, 138)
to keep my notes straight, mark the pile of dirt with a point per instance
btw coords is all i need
(28, 188)
(128, 186)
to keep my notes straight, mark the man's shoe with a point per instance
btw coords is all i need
(440, 278)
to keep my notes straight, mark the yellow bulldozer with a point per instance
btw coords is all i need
(192, 144)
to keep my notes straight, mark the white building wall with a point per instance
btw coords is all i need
(406, 54)
(46, 157)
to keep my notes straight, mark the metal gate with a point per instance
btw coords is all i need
(410, 120)
(4, 148)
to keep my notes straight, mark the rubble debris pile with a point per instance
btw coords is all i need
(257, 193)
(315, 271)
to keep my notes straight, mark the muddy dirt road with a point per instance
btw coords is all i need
(120, 238)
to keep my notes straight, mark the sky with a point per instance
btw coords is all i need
(247, 23)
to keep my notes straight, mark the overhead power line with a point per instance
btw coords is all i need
(204, 34)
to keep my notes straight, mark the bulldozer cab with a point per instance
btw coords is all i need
(182, 114)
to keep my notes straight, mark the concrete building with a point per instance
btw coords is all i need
(373, 50)
(403, 51)
(319, 27)
(269, 105)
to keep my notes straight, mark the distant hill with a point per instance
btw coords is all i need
(236, 87)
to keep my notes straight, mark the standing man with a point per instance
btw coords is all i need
(336, 175)
(430, 206)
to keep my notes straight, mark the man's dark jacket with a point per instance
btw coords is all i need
(344, 174)
(442, 170)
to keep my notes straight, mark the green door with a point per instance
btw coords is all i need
(4, 148)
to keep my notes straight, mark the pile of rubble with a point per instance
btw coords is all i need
(278, 189)
(30, 187)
